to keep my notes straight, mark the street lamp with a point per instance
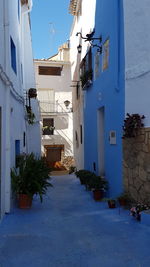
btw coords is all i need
(79, 48)
(67, 103)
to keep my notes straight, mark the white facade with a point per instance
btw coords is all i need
(137, 57)
(84, 21)
(53, 91)
(16, 77)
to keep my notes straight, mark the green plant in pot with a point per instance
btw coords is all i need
(124, 199)
(86, 76)
(98, 185)
(30, 115)
(30, 178)
(85, 177)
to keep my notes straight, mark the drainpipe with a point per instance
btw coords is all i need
(7, 116)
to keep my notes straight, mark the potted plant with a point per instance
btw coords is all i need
(30, 115)
(30, 178)
(136, 210)
(72, 169)
(124, 199)
(84, 176)
(132, 124)
(86, 78)
(111, 203)
(32, 93)
(98, 185)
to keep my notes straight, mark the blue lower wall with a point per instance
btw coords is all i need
(107, 91)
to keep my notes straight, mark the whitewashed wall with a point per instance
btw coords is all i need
(12, 89)
(33, 131)
(82, 23)
(137, 57)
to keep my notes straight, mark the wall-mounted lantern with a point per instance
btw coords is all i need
(89, 37)
(79, 48)
(67, 103)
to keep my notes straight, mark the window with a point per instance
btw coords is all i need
(19, 10)
(48, 126)
(21, 73)
(78, 90)
(54, 71)
(86, 72)
(17, 151)
(13, 55)
(106, 55)
(81, 134)
(76, 139)
(24, 139)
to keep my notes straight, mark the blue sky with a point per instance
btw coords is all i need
(51, 25)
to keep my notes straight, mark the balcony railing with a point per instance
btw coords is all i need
(47, 107)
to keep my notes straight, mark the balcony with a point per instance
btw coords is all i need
(49, 108)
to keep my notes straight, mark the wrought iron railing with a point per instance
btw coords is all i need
(47, 107)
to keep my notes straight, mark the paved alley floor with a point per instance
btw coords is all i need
(70, 229)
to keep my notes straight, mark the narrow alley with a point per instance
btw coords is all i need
(70, 229)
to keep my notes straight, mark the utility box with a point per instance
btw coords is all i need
(112, 137)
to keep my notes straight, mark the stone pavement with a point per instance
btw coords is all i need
(70, 229)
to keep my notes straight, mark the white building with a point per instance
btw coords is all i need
(53, 80)
(137, 57)
(83, 22)
(16, 77)
(137, 95)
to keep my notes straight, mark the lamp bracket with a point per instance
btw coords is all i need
(89, 37)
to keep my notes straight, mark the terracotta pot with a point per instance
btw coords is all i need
(25, 201)
(122, 202)
(98, 194)
(111, 204)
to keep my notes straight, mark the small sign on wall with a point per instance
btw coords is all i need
(112, 137)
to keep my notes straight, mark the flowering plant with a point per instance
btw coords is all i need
(136, 210)
(132, 124)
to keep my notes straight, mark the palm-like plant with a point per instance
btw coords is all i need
(31, 177)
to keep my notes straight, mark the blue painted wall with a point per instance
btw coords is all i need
(107, 91)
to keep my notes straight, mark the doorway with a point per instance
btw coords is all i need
(53, 155)
(101, 131)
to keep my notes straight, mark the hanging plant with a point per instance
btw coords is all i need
(132, 124)
(30, 115)
(32, 93)
(86, 77)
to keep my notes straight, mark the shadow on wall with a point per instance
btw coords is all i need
(61, 122)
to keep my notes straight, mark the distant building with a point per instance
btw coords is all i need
(16, 78)
(53, 80)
